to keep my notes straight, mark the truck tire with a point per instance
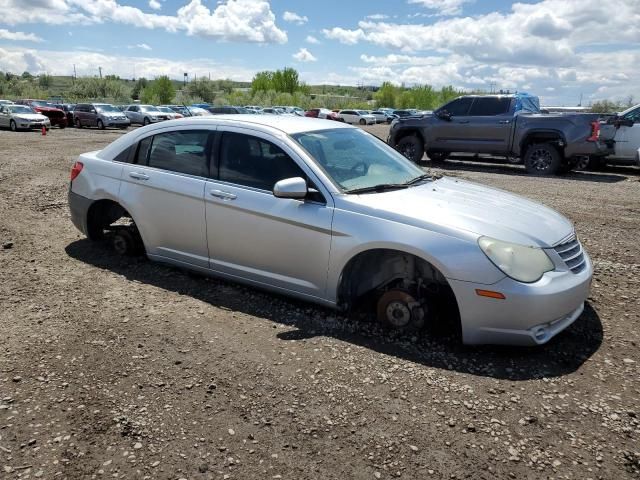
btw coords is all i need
(411, 147)
(542, 159)
(436, 156)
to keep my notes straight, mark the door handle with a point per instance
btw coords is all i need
(223, 195)
(463, 121)
(504, 122)
(138, 176)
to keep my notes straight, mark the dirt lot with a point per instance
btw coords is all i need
(127, 369)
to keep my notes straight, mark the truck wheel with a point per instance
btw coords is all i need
(436, 156)
(542, 159)
(62, 125)
(411, 147)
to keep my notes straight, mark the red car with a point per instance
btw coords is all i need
(56, 116)
(322, 113)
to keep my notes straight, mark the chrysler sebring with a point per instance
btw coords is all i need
(331, 214)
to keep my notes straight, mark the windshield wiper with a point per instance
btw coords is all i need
(420, 179)
(379, 188)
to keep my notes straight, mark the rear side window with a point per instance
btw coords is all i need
(254, 162)
(182, 152)
(124, 156)
(485, 107)
(143, 151)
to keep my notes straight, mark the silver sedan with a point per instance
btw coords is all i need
(22, 117)
(331, 214)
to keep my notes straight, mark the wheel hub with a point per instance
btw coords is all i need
(541, 159)
(399, 309)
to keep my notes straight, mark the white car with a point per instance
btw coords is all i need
(22, 117)
(328, 213)
(627, 137)
(360, 117)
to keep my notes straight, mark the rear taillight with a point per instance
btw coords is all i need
(76, 169)
(595, 132)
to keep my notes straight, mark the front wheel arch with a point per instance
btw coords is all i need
(374, 271)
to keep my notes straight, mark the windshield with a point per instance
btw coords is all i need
(165, 109)
(107, 108)
(41, 104)
(363, 112)
(18, 109)
(354, 159)
(147, 108)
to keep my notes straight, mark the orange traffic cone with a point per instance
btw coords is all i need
(44, 131)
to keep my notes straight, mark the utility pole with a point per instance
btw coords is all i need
(100, 70)
(491, 85)
(75, 75)
(184, 81)
(580, 104)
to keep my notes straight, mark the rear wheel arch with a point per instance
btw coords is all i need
(554, 137)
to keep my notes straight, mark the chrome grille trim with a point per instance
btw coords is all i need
(572, 255)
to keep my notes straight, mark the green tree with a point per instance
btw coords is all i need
(162, 88)
(45, 81)
(386, 96)
(140, 84)
(262, 82)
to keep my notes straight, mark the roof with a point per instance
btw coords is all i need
(286, 124)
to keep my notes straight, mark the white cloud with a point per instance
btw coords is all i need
(143, 46)
(311, 39)
(304, 55)
(377, 16)
(348, 37)
(294, 18)
(61, 63)
(230, 20)
(443, 7)
(155, 4)
(545, 33)
(18, 36)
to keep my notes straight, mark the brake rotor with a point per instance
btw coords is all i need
(398, 309)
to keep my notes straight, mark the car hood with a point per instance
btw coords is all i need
(448, 205)
(31, 116)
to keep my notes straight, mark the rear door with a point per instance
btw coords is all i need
(163, 190)
(628, 137)
(489, 125)
(253, 235)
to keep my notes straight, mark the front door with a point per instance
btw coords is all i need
(253, 235)
(447, 134)
(628, 137)
(163, 191)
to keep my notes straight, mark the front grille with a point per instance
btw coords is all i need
(572, 255)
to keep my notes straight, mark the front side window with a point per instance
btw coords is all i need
(633, 115)
(354, 159)
(182, 152)
(490, 106)
(254, 162)
(459, 107)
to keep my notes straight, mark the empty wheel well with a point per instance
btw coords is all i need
(101, 215)
(371, 273)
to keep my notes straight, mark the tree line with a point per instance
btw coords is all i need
(279, 87)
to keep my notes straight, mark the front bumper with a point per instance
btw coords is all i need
(33, 124)
(530, 314)
(110, 122)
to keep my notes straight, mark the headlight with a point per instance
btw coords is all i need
(522, 263)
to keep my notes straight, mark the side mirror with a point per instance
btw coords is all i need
(444, 115)
(295, 188)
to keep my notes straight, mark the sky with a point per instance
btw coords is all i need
(560, 50)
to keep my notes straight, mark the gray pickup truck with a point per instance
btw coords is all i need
(500, 125)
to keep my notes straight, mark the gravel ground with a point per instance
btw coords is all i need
(126, 369)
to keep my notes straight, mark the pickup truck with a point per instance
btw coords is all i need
(500, 125)
(624, 129)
